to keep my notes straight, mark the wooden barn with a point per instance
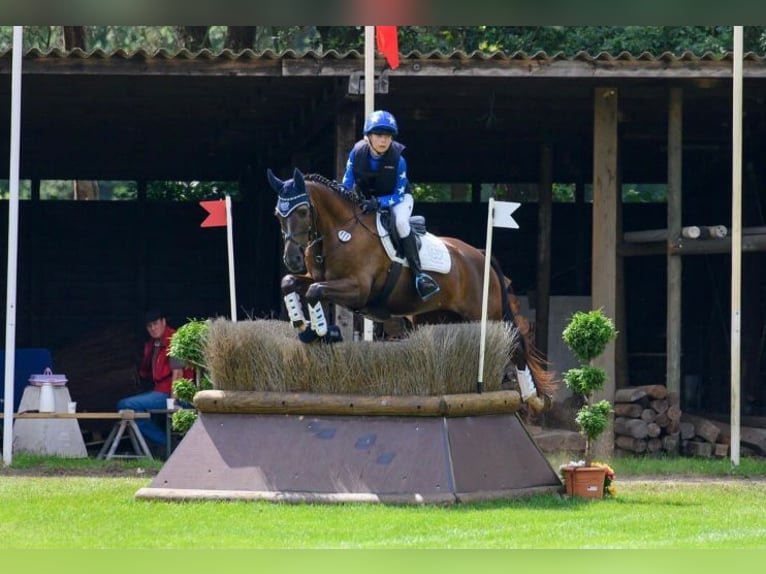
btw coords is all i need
(518, 124)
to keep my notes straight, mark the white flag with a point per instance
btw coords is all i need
(502, 215)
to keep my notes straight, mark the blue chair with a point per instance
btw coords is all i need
(28, 362)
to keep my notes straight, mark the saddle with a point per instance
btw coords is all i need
(432, 250)
(417, 225)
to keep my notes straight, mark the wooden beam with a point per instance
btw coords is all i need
(674, 264)
(750, 243)
(266, 402)
(544, 219)
(604, 244)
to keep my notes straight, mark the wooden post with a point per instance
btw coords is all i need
(674, 263)
(345, 137)
(544, 217)
(605, 233)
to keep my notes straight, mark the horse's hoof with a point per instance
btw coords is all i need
(536, 404)
(333, 335)
(308, 336)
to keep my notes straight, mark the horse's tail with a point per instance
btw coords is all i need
(545, 380)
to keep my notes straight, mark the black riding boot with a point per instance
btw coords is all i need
(424, 283)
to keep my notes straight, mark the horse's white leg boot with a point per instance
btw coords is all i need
(526, 384)
(294, 309)
(529, 390)
(318, 321)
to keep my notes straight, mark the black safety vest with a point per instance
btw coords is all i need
(380, 182)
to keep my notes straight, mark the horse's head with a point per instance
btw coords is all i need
(294, 212)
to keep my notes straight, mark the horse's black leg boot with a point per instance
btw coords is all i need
(424, 283)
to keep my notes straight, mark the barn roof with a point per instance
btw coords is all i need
(464, 116)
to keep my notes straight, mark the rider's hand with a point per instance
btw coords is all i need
(370, 205)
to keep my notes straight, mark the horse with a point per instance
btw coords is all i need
(337, 254)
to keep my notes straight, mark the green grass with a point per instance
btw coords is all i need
(54, 464)
(92, 512)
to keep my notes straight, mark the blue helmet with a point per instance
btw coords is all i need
(381, 121)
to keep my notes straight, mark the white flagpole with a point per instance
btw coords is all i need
(13, 247)
(369, 106)
(736, 244)
(230, 243)
(485, 294)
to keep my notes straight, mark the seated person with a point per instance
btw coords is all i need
(162, 370)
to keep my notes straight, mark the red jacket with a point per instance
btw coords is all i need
(162, 373)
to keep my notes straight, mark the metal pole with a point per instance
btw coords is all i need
(736, 245)
(369, 106)
(230, 245)
(485, 294)
(13, 246)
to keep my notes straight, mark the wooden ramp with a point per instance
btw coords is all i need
(337, 459)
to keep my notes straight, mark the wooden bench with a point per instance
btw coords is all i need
(126, 422)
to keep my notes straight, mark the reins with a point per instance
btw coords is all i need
(313, 233)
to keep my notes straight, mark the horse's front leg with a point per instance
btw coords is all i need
(293, 286)
(343, 292)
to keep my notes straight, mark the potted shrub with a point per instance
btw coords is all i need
(188, 345)
(587, 335)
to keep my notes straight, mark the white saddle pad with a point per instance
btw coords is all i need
(434, 255)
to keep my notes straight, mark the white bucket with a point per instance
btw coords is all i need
(47, 399)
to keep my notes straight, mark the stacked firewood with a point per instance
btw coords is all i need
(647, 419)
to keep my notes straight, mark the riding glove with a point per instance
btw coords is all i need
(370, 205)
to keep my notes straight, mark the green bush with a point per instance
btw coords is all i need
(585, 380)
(188, 343)
(184, 390)
(588, 334)
(183, 420)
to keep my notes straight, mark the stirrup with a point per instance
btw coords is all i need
(426, 286)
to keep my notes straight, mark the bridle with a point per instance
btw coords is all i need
(312, 232)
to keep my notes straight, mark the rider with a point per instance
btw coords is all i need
(379, 171)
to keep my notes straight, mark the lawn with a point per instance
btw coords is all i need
(660, 504)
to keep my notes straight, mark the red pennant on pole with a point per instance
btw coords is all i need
(388, 44)
(216, 213)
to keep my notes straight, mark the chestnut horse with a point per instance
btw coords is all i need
(335, 254)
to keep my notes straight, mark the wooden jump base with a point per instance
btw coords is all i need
(263, 402)
(320, 448)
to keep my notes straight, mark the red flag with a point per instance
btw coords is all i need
(216, 213)
(388, 44)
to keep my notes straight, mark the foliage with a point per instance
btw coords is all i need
(184, 390)
(183, 419)
(587, 335)
(592, 419)
(585, 379)
(191, 190)
(568, 40)
(188, 343)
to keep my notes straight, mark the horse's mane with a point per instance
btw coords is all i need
(349, 194)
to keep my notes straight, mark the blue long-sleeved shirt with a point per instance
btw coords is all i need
(402, 184)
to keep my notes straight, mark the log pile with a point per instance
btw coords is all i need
(647, 419)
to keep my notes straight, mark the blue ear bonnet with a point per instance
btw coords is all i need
(291, 196)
